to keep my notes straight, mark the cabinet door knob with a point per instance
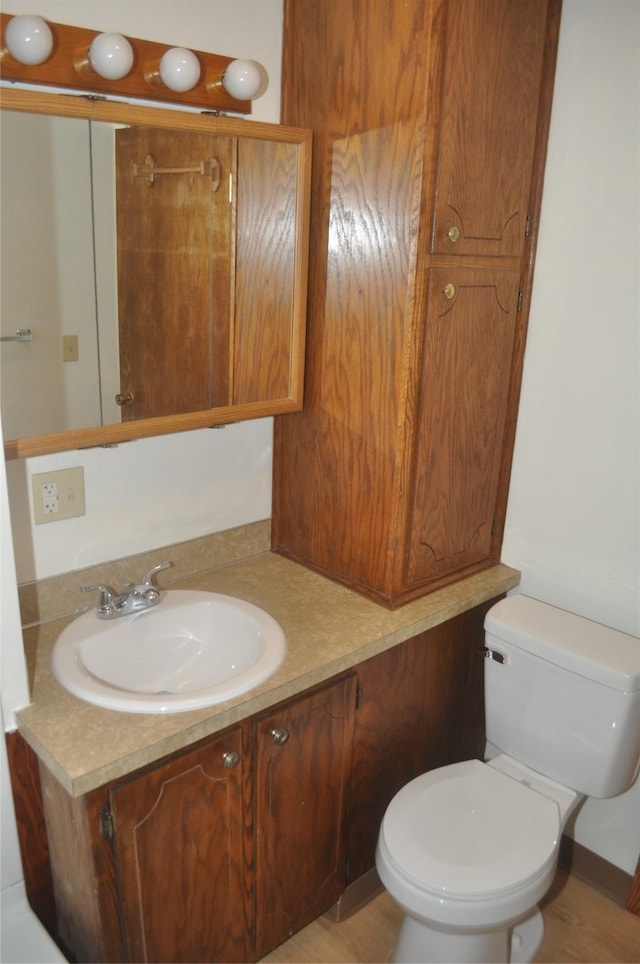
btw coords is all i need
(230, 759)
(453, 233)
(124, 398)
(449, 291)
(279, 736)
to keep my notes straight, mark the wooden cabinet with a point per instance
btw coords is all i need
(218, 853)
(430, 124)
(461, 420)
(180, 856)
(420, 706)
(302, 767)
(153, 868)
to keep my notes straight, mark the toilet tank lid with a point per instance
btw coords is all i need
(580, 645)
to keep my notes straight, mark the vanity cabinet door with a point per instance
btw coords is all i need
(302, 764)
(420, 706)
(179, 839)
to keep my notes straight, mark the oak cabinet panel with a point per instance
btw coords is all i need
(494, 59)
(461, 419)
(303, 760)
(389, 748)
(420, 707)
(427, 178)
(178, 833)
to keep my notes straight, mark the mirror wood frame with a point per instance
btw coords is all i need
(84, 107)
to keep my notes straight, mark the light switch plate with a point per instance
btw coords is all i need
(58, 495)
(69, 348)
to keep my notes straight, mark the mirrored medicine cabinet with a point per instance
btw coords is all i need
(154, 269)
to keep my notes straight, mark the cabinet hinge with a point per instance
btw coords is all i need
(347, 868)
(520, 300)
(527, 227)
(358, 696)
(494, 526)
(106, 823)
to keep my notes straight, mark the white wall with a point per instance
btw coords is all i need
(573, 523)
(572, 526)
(42, 163)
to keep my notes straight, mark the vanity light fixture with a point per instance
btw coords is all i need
(242, 79)
(111, 56)
(34, 51)
(29, 39)
(179, 69)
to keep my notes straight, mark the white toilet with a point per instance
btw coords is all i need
(469, 849)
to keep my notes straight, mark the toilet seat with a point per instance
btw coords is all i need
(469, 831)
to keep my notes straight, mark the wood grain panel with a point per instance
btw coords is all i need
(633, 900)
(83, 873)
(34, 847)
(355, 377)
(421, 706)
(336, 464)
(265, 266)
(164, 287)
(301, 791)
(389, 742)
(493, 66)
(179, 839)
(465, 381)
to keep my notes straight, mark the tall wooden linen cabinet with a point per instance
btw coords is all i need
(430, 122)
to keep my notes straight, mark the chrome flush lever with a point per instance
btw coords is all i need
(492, 654)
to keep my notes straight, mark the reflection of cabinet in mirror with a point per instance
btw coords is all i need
(214, 218)
(173, 222)
(211, 288)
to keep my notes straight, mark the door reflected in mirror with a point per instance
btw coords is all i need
(159, 267)
(47, 276)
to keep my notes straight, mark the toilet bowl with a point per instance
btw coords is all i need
(469, 849)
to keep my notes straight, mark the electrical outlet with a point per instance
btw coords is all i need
(58, 495)
(50, 501)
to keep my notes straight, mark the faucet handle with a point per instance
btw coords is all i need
(107, 597)
(148, 579)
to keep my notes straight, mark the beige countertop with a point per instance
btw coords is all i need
(329, 629)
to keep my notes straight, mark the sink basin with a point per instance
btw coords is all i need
(193, 649)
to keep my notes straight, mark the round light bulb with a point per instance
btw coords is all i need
(111, 56)
(179, 69)
(29, 39)
(242, 79)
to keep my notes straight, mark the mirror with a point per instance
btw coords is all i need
(153, 270)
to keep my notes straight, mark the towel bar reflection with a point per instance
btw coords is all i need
(149, 169)
(22, 334)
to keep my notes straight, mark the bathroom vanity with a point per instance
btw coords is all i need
(215, 834)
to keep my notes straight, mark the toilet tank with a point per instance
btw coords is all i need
(562, 695)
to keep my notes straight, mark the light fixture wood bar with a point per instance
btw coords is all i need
(68, 67)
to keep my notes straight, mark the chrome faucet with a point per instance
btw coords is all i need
(134, 598)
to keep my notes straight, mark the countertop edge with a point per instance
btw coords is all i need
(490, 583)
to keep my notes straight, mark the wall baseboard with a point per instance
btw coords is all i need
(595, 870)
(356, 895)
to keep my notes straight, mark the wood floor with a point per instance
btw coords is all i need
(581, 925)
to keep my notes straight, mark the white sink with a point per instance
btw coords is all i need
(193, 649)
